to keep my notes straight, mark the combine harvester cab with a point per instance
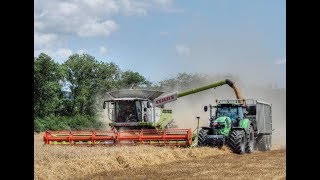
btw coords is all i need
(133, 109)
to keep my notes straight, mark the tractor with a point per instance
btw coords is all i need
(242, 125)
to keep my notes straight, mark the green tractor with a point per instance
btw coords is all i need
(239, 124)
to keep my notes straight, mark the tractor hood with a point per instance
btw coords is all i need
(221, 119)
(221, 125)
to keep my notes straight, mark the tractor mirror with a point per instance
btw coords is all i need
(205, 108)
(148, 105)
(104, 104)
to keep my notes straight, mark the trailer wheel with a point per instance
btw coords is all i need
(269, 137)
(264, 142)
(250, 140)
(202, 137)
(238, 141)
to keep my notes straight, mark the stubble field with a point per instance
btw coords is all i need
(145, 162)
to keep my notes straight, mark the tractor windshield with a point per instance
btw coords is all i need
(230, 111)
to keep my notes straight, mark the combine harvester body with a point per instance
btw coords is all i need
(144, 109)
(137, 117)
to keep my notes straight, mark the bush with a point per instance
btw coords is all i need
(78, 122)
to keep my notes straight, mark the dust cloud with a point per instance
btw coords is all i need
(103, 113)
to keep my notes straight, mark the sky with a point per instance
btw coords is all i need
(160, 38)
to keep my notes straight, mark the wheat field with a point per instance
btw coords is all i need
(149, 162)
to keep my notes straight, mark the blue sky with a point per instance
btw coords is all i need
(160, 38)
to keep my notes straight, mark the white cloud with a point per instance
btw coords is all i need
(63, 53)
(131, 8)
(82, 18)
(67, 8)
(82, 51)
(103, 50)
(39, 25)
(108, 6)
(164, 33)
(182, 49)
(69, 18)
(281, 61)
(44, 40)
(60, 55)
(60, 19)
(167, 6)
(164, 2)
(97, 29)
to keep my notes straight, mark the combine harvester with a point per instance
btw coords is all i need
(138, 117)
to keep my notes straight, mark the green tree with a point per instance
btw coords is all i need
(130, 79)
(88, 78)
(47, 86)
(66, 96)
(181, 81)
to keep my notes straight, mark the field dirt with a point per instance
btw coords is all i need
(148, 162)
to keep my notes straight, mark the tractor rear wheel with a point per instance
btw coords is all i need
(238, 141)
(264, 142)
(250, 140)
(202, 137)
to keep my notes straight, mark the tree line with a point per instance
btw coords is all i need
(65, 94)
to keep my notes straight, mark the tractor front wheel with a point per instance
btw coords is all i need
(238, 141)
(202, 137)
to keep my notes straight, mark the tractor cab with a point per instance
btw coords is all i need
(230, 110)
(234, 109)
